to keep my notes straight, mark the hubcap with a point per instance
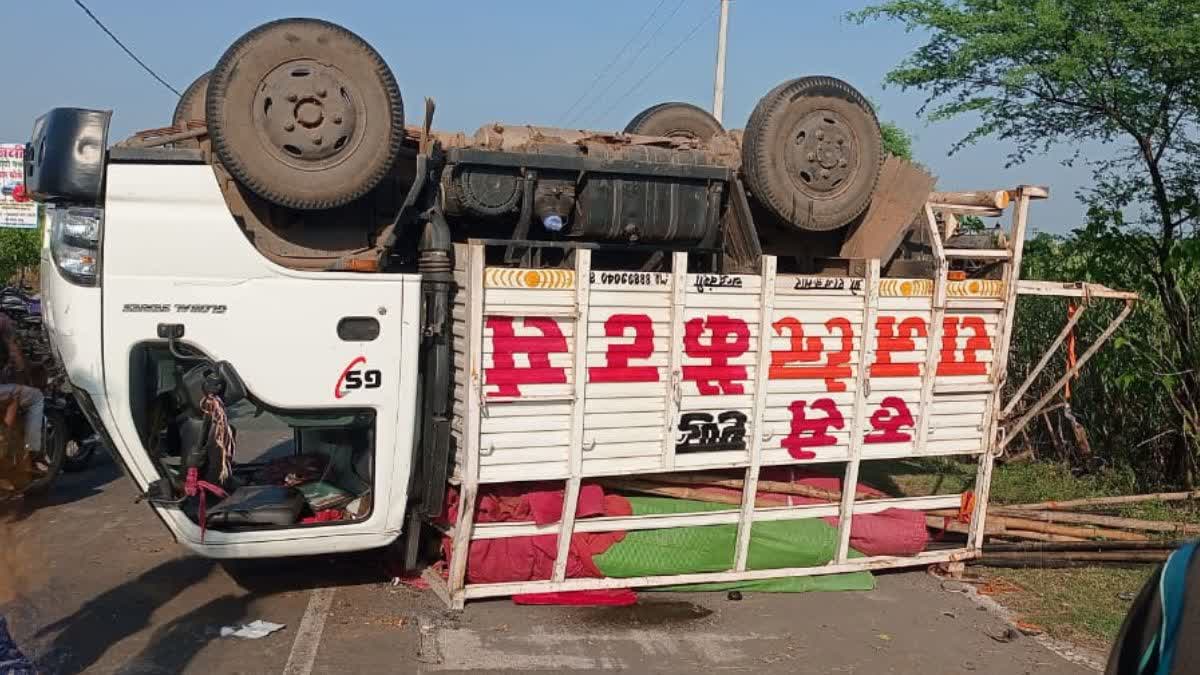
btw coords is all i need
(823, 155)
(307, 114)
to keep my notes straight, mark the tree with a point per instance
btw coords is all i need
(896, 141)
(1119, 74)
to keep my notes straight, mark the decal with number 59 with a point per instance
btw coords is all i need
(355, 377)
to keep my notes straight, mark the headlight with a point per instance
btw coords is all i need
(75, 243)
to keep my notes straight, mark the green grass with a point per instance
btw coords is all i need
(1085, 606)
(1082, 605)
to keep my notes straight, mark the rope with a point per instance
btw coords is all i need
(222, 432)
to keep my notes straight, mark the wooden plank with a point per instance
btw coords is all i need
(858, 564)
(524, 455)
(626, 300)
(583, 264)
(901, 191)
(625, 420)
(469, 489)
(505, 530)
(675, 381)
(858, 420)
(750, 481)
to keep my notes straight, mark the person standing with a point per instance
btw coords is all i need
(17, 399)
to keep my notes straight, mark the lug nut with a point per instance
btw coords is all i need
(322, 93)
(337, 119)
(842, 163)
(317, 140)
(292, 98)
(824, 173)
(812, 156)
(289, 127)
(820, 135)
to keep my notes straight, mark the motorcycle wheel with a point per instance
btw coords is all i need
(54, 446)
(77, 454)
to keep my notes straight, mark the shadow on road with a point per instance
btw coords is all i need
(81, 639)
(68, 489)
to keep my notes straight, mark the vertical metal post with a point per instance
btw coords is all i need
(862, 386)
(762, 368)
(1012, 275)
(566, 528)
(719, 81)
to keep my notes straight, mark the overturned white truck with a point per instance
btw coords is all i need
(307, 328)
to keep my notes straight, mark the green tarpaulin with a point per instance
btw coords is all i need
(686, 550)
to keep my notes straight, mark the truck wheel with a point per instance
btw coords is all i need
(190, 109)
(191, 104)
(305, 113)
(676, 120)
(812, 153)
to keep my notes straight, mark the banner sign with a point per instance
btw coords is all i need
(16, 209)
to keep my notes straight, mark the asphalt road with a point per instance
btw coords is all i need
(96, 585)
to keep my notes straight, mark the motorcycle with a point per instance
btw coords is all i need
(68, 440)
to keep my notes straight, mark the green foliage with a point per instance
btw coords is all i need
(1117, 74)
(896, 141)
(18, 249)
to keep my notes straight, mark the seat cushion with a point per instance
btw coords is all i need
(258, 505)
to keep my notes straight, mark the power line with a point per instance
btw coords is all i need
(620, 52)
(663, 60)
(126, 49)
(629, 65)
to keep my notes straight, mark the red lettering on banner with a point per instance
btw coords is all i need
(809, 350)
(504, 372)
(893, 413)
(617, 368)
(892, 339)
(808, 432)
(979, 341)
(729, 338)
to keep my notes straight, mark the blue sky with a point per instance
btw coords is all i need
(516, 61)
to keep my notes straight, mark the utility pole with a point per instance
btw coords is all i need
(719, 82)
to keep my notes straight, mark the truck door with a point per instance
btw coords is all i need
(328, 361)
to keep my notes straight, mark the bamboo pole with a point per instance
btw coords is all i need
(683, 492)
(1101, 520)
(1055, 547)
(1051, 563)
(951, 525)
(781, 487)
(1039, 536)
(1088, 532)
(1107, 501)
(1091, 556)
(993, 199)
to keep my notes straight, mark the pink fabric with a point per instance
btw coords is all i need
(532, 558)
(617, 597)
(893, 532)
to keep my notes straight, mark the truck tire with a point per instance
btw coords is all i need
(190, 108)
(191, 104)
(812, 153)
(305, 114)
(676, 120)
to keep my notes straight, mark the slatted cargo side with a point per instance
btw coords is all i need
(461, 331)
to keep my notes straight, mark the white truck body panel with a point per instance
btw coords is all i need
(173, 254)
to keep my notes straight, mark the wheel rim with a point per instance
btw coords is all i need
(823, 154)
(307, 114)
(72, 449)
